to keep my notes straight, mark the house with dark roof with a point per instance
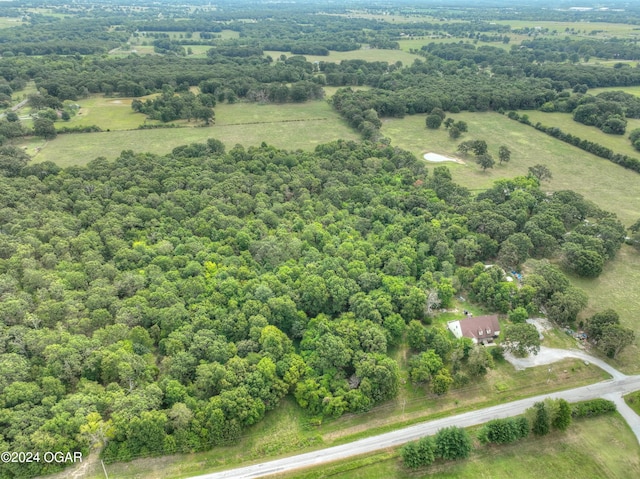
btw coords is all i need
(480, 329)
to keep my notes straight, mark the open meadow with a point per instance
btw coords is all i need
(291, 126)
(564, 121)
(601, 30)
(365, 53)
(618, 190)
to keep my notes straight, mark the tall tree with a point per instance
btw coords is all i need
(521, 339)
(453, 443)
(504, 154)
(541, 172)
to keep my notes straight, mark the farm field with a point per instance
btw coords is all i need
(106, 112)
(368, 54)
(7, 22)
(241, 123)
(564, 121)
(583, 28)
(633, 90)
(590, 448)
(571, 167)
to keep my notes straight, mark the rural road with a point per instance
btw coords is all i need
(612, 389)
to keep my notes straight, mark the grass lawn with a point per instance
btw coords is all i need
(608, 185)
(591, 449)
(368, 54)
(633, 400)
(290, 126)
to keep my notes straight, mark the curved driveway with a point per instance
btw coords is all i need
(612, 389)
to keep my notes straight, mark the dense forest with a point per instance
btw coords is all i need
(159, 304)
(163, 304)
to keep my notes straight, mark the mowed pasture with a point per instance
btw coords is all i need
(8, 22)
(633, 90)
(564, 121)
(290, 126)
(365, 53)
(591, 448)
(107, 113)
(608, 185)
(582, 29)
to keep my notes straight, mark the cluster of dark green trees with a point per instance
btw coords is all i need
(169, 107)
(606, 332)
(449, 444)
(455, 443)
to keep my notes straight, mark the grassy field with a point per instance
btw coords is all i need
(416, 43)
(583, 28)
(591, 449)
(287, 430)
(617, 288)
(633, 400)
(634, 90)
(290, 126)
(368, 54)
(618, 190)
(107, 113)
(8, 22)
(564, 121)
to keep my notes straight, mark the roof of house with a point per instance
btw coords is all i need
(480, 327)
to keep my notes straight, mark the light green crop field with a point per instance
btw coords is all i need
(610, 186)
(590, 449)
(368, 54)
(289, 126)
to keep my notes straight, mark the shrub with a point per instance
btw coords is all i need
(593, 407)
